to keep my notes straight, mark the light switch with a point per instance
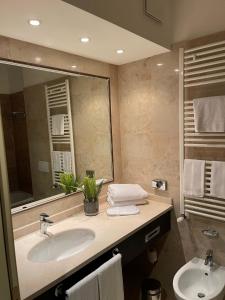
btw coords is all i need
(43, 166)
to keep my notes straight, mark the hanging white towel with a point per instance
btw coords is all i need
(218, 179)
(86, 289)
(67, 161)
(110, 280)
(56, 160)
(194, 177)
(209, 114)
(126, 192)
(58, 124)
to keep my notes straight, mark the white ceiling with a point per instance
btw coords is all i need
(62, 25)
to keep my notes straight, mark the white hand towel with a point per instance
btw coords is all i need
(126, 192)
(218, 179)
(194, 177)
(58, 124)
(123, 210)
(110, 280)
(67, 161)
(209, 114)
(86, 289)
(56, 160)
(125, 203)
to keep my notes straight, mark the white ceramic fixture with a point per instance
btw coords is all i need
(61, 245)
(195, 281)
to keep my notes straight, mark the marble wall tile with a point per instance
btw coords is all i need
(149, 127)
(91, 126)
(149, 116)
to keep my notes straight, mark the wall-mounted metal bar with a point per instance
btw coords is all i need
(210, 216)
(181, 125)
(202, 66)
(204, 47)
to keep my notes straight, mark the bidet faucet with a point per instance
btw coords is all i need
(44, 223)
(209, 258)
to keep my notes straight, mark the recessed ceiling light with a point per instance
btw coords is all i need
(119, 51)
(159, 64)
(74, 66)
(34, 22)
(176, 70)
(84, 39)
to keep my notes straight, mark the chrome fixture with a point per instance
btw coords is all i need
(209, 258)
(211, 233)
(159, 184)
(45, 223)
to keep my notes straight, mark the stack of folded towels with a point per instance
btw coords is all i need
(126, 194)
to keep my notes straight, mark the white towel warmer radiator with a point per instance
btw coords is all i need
(58, 98)
(200, 66)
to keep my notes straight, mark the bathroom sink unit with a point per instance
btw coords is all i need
(61, 245)
(79, 244)
(195, 281)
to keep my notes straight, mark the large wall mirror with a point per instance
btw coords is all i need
(53, 122)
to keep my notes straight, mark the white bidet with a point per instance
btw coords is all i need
(196, 281)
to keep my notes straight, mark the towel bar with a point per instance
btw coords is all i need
(60, 290)
(199, 66)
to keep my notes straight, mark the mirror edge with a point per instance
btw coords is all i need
(40, 202)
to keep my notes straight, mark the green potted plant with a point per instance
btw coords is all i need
(91, 191)
(68, 183)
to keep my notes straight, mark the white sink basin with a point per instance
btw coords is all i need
(196, 281)
(61, 245)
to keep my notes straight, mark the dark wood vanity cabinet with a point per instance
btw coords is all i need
(129, 248)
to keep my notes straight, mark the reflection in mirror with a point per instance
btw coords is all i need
(53, 123)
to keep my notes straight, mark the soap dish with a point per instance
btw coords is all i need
(123, 210)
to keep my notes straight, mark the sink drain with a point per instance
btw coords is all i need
(201, 295)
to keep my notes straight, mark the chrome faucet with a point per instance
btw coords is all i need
(45, 223)
(209, 258)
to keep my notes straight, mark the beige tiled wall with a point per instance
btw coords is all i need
(91, 125)
(149, 128)
(149, 120)
(38, 140)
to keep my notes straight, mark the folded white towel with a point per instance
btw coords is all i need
(194, 177)
(126, 203)
(58, 124)
(126, 192)
(218, 179)
(209, 114)
(85, 289)
(110, 280)
(123, 210)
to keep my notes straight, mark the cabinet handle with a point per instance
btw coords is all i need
(149, 236)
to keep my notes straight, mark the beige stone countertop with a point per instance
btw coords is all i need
(35, 278)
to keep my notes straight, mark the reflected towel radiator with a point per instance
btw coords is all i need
(58, 99)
